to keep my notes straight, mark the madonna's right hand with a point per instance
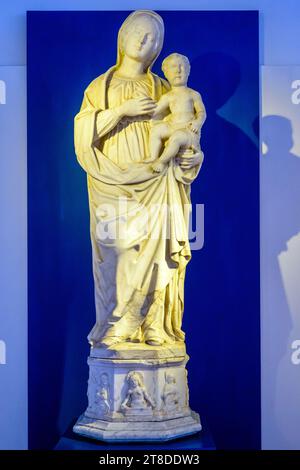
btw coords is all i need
(137, 106)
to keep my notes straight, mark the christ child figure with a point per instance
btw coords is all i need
(180, 129)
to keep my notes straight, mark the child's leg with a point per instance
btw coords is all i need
(157, 134)
(178, 139)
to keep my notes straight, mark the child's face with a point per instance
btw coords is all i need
(133, 382)
(170, 379)
(177, 71)
(104, 380)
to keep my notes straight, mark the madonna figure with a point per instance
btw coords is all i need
(139, 278)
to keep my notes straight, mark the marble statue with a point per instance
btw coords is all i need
(137, 137)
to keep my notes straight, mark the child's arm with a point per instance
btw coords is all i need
(148, 399)
(126, 401)
(200, 113)
(162, 106)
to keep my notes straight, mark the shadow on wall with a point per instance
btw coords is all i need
(280, 228)
(224, 275)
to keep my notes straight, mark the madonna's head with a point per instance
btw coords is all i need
(141, 37)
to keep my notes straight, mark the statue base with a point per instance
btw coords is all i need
(155, 431)
(138, 392)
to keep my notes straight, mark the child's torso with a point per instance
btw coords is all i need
(181, 104)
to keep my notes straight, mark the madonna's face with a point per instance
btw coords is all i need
(140, 39)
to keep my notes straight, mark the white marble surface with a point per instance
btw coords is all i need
(138, 399)
(128, 350)
(155, 431)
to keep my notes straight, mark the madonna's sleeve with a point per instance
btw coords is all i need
(106, 120)
(90, 124)
(186, 176)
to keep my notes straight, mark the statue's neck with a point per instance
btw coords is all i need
(131, 68)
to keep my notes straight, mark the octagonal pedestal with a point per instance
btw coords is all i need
(134, 399)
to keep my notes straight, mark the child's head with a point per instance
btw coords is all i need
(134, 379)
(170, 379)
(176, 68)
(104, 379)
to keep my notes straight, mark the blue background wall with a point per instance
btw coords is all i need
(222, 287)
